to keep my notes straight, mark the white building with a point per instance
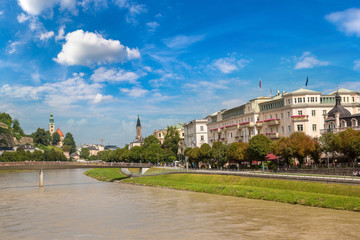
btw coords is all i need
(277, 116)
(195, 133)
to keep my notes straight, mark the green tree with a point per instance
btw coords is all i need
(350, 143)
(85, 153)
(205, 153)
(194, 156)
(136, 154)
(6, 118)
(282, 148)
(218, 153)
(259, 147)
(69, 141)
(40, 137)
(172, 139)
(16, 127)
(237, 152)
(153, 153)
(150, 140)
(55, 138)
(301, 146)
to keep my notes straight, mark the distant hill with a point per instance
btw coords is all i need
(11, 133)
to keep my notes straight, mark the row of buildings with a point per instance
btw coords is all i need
(279, 116)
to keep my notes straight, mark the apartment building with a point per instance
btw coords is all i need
(277, 116)
(195, 133)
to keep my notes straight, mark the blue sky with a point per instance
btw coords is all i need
(97, 64)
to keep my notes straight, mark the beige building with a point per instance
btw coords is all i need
(160, 134)
(281, 115)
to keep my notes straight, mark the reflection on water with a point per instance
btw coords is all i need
(74, 206)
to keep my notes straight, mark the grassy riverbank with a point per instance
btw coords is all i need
(335, 196)
(105, 174)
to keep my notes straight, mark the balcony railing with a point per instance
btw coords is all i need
(341, 129)
(300, 118)
(272, 121)
(272, 134)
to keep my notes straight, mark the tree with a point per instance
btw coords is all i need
(259, 147)
(301, 146)
(194, 156)
(69, 141)
(55, 138)
(153, 153)
(85, 153)
(237, 152)
(6, 118)
(136, 154)
(172, 139)
(150, 140)
(350, 143)
(205, 153)
(16, 127)
(282, 148)
(218, 153)
(40, 137)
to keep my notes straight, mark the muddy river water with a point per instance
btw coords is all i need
(74, 206)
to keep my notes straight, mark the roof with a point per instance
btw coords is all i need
(74, 154)
(60, 132)
(342, 90)
(304, 91)
(271, 156)
(338, 109)
(138, 124)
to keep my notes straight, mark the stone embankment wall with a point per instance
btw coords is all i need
(24, 141)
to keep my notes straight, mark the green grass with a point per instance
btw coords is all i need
(49, 148)
(134, 170)
(106, 174)
(335, 196)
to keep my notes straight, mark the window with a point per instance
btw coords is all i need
(316, 99)
(353, 99)
(201, 128)
(182, 134)
(277, 129)
(304, 99)
(312, 99)
(324, 112)
(282, 115)
(202, 137)
(300, 127)
(282, 129)
(159, 134)
(288, 113)
(295, 100)
(299, 100)
(308, 99)
(289, 129)
(270, 116)
(276, 115)
(300, 112)
(314, 127)
(313, 113)
(257, 118)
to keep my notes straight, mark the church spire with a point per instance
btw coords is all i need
(138, 124)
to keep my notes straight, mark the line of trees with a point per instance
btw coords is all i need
(298, 146)
(151, 151)
(21, 155)
(44, 138)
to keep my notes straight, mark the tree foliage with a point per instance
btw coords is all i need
(259, 147)
(237, 152)
(69, 141)
(172, 139)
(85, 153)
(55, 138)
(40, 137)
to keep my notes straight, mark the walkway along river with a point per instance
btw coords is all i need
(74, 206)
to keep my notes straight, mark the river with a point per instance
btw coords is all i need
(74, 206)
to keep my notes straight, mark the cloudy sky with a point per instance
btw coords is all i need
(97, 64)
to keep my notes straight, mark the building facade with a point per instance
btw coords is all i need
(277, 116)
(195, 133)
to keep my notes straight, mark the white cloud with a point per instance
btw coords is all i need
(133, 9)
(1, 13)
(103, 74)
(205, 87)
(23, 18)
(152, 26)
(36, 77)
(46, 35)
(135, 92)
(36, 7)
(72, 122)
(101, 98)
(87, 48)
(93, 4)
(347, 21)
(12, 48)
(182, 41)
(307, 60)
(230, 64)
(61, 33)
(59, 94)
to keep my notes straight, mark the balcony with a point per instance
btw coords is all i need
(239, 138)
(300, 118)
(259, 123)
(230, 126)
(245, 124)
(272, 134)
(272, 121)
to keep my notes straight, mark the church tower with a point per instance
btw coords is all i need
(138, 129)
(51, 124)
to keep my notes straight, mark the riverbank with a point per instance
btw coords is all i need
(335, 196)
(106, 174)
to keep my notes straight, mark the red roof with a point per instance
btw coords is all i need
(60, 132)
(271, 156)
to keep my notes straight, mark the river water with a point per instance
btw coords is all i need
(74, 206)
